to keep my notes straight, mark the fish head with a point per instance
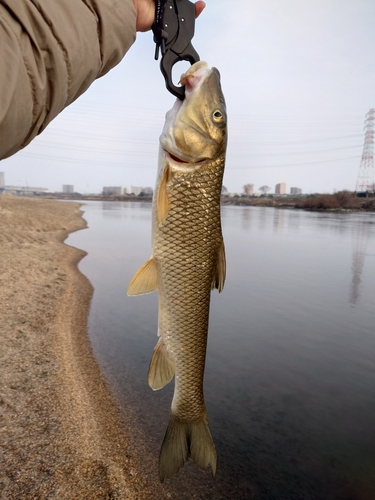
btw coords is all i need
(196, 128)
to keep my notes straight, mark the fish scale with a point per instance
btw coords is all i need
(186, 254)
(187, 262)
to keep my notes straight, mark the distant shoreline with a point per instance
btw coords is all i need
(342, 201)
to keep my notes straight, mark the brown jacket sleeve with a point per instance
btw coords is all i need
(50, 53)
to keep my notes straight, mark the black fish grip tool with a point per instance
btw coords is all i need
(173, 30)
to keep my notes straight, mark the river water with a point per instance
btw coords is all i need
(290, 373)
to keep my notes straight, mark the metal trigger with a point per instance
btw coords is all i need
(173, 30)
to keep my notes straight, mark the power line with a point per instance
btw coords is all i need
(124, 166)
(295, 152)
(142, 152)
(294, 164)
(85, 162)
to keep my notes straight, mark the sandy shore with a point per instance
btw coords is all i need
(60, 436)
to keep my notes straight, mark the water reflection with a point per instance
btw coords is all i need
(124, 209)
(263, 213)
(246, 214)
(278, 220)
(294, 220)
(111, 209)
(290, 376)
(360, 239)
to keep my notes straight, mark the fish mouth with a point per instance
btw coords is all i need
(180, 160)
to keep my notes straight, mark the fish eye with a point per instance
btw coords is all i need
(217, 116)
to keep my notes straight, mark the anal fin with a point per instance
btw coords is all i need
(145, 279)
(161, 368)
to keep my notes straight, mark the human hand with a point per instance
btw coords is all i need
(145, 10)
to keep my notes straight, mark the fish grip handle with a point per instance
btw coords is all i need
(173, 30)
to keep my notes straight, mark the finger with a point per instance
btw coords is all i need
(199, 7)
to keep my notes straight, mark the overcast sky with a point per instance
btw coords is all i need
(298, 77)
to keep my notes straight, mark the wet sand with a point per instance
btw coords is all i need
(60, 431)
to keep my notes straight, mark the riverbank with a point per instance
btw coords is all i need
(60, 431)
(340, 201)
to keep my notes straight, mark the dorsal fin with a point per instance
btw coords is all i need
(220, 270)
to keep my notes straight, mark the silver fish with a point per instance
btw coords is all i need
(188, 261)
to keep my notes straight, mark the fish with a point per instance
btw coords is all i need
(187, 261)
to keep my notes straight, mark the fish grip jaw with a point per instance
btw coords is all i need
(173, 30)
(166, 65)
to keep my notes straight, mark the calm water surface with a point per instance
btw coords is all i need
(290, 373)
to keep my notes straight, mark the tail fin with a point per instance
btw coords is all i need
(183, 439)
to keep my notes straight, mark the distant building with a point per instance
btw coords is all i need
(26, 190)
(20, 190)
(117, 190)
(249, 189)
(68, 188)
(280, 188)
(137, 190)
(295, 191)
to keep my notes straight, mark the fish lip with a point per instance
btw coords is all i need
(179, 160)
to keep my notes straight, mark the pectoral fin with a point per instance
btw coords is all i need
(162, 198)
(145, 279)
(161, 368)
(219, 276)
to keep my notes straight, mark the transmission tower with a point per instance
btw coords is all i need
(365, 180)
